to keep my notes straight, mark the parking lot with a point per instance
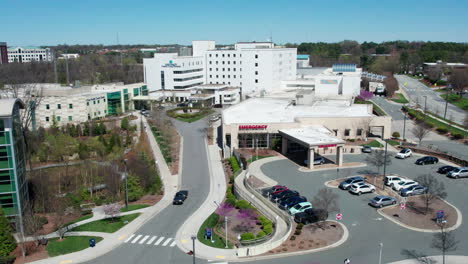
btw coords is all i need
(368, 228)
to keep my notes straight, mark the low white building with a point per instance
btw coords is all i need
(69, 56)
(28, 54)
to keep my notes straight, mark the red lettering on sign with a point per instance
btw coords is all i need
(327, 146)
(244, 127)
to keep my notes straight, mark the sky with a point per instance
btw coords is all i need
(52, 22)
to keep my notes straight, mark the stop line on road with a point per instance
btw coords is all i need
(150, 240)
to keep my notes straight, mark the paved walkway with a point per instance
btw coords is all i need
(436, 259)
(113, 240)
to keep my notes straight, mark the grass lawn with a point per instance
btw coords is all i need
(401, 99)
(84, 217)
(162, 145)
(439, 90)
(393, 142)
(132, 207)
(436, 122)
(456, 100)
(106, 225)
(68, 245)
(254, 158)
(195, 118)
(211, 222)
(373, 144)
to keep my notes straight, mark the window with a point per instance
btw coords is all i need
(359, 132)
(224, 76)
(47, 119)
(336, 132)
(47, 106)
(210, 55)
(256, 80)
(216, 69)
(70, 118)
(256, 72)
(87, 103)
(216, 55)
(58, 118)
(256, 56)
(59, 106)
(70, 106)
(223, 62)
(223, 57)
(94, 102)
(98, 101)
(210, 76)
(234, 55)
(210, 62)
(210, 69)
(347, 132)
(256, 64)
(229, 55)
(223, 69)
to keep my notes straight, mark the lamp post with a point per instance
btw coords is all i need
(425, 103)
(126, 185)
(449, 88)
(385, 163)
(193, 248)
(225, 226)
(380, 253)
(404, 124)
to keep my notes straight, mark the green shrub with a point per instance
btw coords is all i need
(297, 232)
(247, 236)
(442, 130)
(243, 204)
(8, 243)
(457, 136)
(267, 229)
(396, 134)
(299, 226)
(231, 179)
(231, 201)
(292, 238)
(429, 124)
(234, 165)
(260, 234)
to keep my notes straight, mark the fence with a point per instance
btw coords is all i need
(434, 151)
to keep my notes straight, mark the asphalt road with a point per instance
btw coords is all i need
(366, 227)
(416, 91)
(195, 179)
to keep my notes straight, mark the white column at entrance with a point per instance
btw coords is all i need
(311, 157)
(284, 146)
(339, 156)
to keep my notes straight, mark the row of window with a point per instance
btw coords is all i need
(224, 76)
(70, 118)
(187, 71)
(223, 55)
(98, 101)
(59, 106)
(223, 62)
(188, 86)
(188, 78)
(347, 132)
(228, 69)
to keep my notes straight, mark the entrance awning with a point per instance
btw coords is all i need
(312, 136)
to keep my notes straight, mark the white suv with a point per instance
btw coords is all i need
(361, 187)
(403, 184)
(404, 153)
(390, 180)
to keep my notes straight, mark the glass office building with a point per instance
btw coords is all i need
(13, 186)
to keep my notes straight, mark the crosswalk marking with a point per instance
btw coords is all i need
(166, 242)
(128, 239)
(173, 244)
(143, 240)
(159, 241)
(136, 239)
(151, 240)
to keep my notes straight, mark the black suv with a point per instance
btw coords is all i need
(310, 216)
(284, 195)
(427, 160)
(180, 197)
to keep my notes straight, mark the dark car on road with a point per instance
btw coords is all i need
(268, 191)
(350, 181)
(413, 190)
(381, 201)
(445, 169)
(427, 160)
(180, 197)
(310, 216)
(283, 195)
(291, 201)
(366, 149)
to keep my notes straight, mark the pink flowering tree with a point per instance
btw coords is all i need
(248, 219)
(112, 210)
(224, 209)
(365, 95)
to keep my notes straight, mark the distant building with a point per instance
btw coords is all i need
(69, 56)
(28, 54)
(13, 185)
(303, 61)
(443, 65)
(3, 53)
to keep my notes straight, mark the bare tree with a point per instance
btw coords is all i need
(434, 73)
(379, 158)
(459, 80)
(60, 209)
(418, 256)
(435, 189)
(444, 241)
(420, 132)
(327, 200)
(365, 124)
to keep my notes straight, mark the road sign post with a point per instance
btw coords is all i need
(339, 216)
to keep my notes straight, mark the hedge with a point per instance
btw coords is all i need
(396, 134)
(260, 234)
(442, 130)
(247, 236)
(243, 204)
(234, 164)
(268, 229)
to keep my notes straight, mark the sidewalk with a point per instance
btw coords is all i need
(449, 259)
(113, 240)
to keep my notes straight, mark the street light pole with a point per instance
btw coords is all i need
(380, 254)
(385, 163)
(225, 226)
(425, 103)
(193, 248)
(446, 99)
(126, 185)
(404, 125)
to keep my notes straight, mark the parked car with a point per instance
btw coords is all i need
(427, 160)
(180, 197)
(182, 105)
(266, 192)
(310, 216)
(445, 169)
(403, 184)
(291, 201)
(458, 173)
(349, 181)
(366, 149)
(391, 179)
(214, 118)
(317, 161)
(283, 195)
(299, 208)
(404, 153)
(413, 190)
(361, 187)
(381, 201)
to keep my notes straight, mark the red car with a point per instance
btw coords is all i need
(272, 190)
(280, 189)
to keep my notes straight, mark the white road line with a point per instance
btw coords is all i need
(159, 241)
(173, 244)
(128, 239)
(143, 240)
(151, 240)
(136, 239)
(166, 242)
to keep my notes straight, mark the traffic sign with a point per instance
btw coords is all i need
(339, 216)
(403, 206)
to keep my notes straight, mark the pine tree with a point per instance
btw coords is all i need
(7, 242)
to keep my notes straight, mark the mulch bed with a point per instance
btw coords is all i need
(248, 153)
(312, 236)
(33, 253)
(256, 182)
(149, 199)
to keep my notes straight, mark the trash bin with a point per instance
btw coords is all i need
(92, 242)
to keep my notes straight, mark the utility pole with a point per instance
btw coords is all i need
(404, 125)
(126, 185)
(385, 164)
(193, 248)
(225, 226)
(449, 88)
(66, 69)
(425, 104)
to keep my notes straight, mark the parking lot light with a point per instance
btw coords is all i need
(380, 253)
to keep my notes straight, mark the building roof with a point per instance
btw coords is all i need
(302, 56)
(25, 47)
(6, 106)
(278, 110)
(312, 135)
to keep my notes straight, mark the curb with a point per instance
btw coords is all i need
(302, 169)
